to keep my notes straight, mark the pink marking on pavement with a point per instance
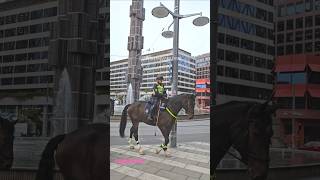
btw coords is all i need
(129, 161)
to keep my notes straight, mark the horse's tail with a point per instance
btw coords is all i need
(123, 122)
(46, 165)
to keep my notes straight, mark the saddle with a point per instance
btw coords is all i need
(147, 108)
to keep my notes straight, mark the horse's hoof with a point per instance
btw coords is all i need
(167, 154)
(141, 152)
(131, 147)
(158, 151)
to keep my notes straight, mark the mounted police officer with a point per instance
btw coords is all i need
(159, 93)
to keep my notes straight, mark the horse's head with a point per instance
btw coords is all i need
(6, 143)
(259, 139)
(188, 104)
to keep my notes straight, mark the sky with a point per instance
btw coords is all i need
(193, 39)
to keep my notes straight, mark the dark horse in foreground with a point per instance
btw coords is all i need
(167, 118)
(246, 126)
(6, 143)
(80, 155)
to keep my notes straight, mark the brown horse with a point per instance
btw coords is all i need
(247, 126)
(80, 155)
(6, 143)
(167, 118)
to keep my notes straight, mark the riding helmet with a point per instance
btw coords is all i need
(159, 77)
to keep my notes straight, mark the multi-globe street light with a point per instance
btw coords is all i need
(161, 12)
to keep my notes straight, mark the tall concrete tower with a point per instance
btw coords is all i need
(76, 50)
(135, 46)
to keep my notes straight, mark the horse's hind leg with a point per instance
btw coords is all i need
(130, 138)
(136, 137)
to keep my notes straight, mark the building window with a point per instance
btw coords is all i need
(289, 24)
(232, 41)
(270, 34)
(10, 32)
(289, 37)
(9, 46)
(232, 72)
(19, 80)
(7, 69)
(317, 20)
(34, 43)
(271, 50)
(22, 44)
(220, 54)
(6, 81)
(220, 70)
(299, 35)
(246, 59)
(50, 12)
(317, 46)
(23, 17)
(11, 19)
(36, 28)
(20, 69)
(259, 77)
(260, 62)
(316, 4)
(314, 78)
(1, 20)
(246, 75)
(308, 47)
(8, 58)
(46, 27)
(281, 11)
(261, 31)
(247, 44)
(22, 30)
(32, 80)
(300, 7)
(308, 34)
(280, 50)
(1, 34)
(290, 9)
(298, 48)
(289, 49)
(280, 26)
(270, 64)
(280, 38)
(261, 14)
(34, 56)
(299, 23)
(221, 38)
(309, 6)
(21, 57)
(309, 21)
(315, 103)
(317, 33)
(232, 56)
(260, 48)
(36, 14)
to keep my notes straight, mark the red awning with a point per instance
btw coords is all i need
(290, 68)
(314, 91)
(315, 67)
(287, 91)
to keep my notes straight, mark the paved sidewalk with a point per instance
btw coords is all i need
(189, 161)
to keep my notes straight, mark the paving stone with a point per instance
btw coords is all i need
(186, 172)
(171, 175)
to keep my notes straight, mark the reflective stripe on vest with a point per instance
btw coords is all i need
(160, 89)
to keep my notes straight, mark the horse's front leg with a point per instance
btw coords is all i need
(164, 146)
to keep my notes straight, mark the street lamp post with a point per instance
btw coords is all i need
(161, 12)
